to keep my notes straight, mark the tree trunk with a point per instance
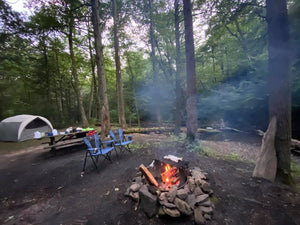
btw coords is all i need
(104, 108)
(155, 96)
(191, 103)
(279, 84)
(133, 90)
(179, 92)
(75, 75)
(121, 111)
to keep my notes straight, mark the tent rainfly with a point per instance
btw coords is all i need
(22, 127)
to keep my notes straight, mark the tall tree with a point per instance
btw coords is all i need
(155, 96)
(74, 69)
(279, 84)
(178, 87)
(104, 109)
(121, 111)
(191, 102)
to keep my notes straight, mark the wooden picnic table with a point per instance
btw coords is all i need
(66, 140)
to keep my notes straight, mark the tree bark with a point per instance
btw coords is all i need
(75, 75)
(279, 84)
(178, 109)
(104, 108)
(155, 97)
(121, 111)
(133, 90)
(191, 104)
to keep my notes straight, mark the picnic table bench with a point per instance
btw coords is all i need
(65, 140)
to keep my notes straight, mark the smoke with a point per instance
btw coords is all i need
(240, 102)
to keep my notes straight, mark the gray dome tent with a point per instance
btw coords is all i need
(22, 127)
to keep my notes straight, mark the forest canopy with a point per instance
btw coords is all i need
(48, 61)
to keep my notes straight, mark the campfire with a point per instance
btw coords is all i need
(170, 188)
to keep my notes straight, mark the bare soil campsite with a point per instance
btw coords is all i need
(38, 187)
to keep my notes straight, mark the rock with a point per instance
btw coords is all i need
(148, 201)
(199, 219)
(198, 175)
(206, 203)
(163, 197)
(207, 217)
(171, 212)
(127, 192)
(266, 163)
(201, 198)
(206, 210)
(171, 194)
(138, 179)
(167, 204)
(191, 200)
(192, 184)
(198, 191)
(182, 194)
(135, 196)
(206, 188)
(135, 187)
(183, 207)
(161, 211)
(152, 189)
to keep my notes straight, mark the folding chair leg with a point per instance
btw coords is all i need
(83, 169)
(94, 162)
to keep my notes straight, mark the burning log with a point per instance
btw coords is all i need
(148, 175)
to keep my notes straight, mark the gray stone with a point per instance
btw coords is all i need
(148, 201)
(266, 163)
(199, 219)
(206, 203)
(127, 192)
(135, 187)
(135, 196)
(198, 191)
(138, 179)
(167, 204)
(191, 200)
(182, 194)
(163, 196)
(206, 188)
(206, 210)
(207, 217)
(171, 212)
(183, 207)
(192, 184)
(198, 175)
(171, 194)
(201, 198)
(161, 211)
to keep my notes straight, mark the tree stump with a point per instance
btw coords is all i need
(266, 164)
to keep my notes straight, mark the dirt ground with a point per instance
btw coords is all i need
(38, 187)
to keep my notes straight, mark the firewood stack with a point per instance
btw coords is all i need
(191, 199)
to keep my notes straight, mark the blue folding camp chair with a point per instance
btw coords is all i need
(122, 142)
(94, 153)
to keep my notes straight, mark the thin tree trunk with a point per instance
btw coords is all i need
(191, 104)
(178, 91)
(93, 94)
(155, 97)
(75, 75)
(104, 108)
(279, 84)
(133, 90)
(121, 111)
